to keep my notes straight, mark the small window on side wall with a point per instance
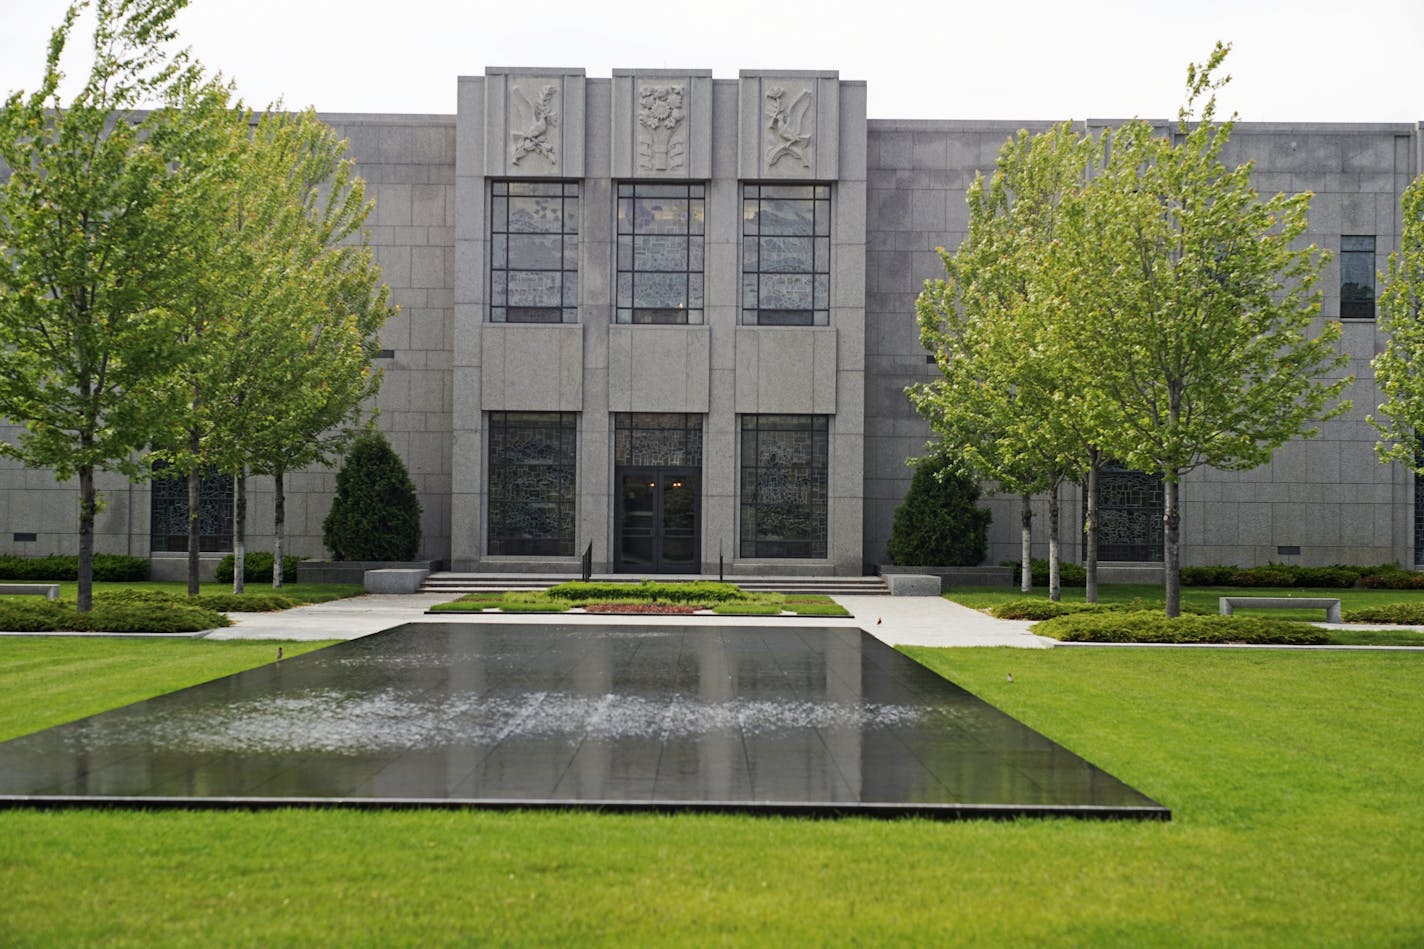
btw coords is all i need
(1357, 277)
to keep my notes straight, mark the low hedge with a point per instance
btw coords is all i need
(108, 615)
(256, 567)
(216, 602)
(1034, 608)
(1401, 614)
(699, 591)
(108, 568)
(1069, 574)
(1108, 626)
(1337, 576)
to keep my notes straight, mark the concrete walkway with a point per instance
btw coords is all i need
(896, 620)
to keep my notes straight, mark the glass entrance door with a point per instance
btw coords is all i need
(658, 514)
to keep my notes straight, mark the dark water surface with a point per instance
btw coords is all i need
(798, 720)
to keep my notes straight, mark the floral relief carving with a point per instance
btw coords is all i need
(542, 117)
(789, 125)
(661, 136)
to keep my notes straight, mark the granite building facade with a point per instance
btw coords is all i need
(671, 318)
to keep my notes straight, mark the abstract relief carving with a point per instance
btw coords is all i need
(661, 138)
(789, 126)
(542, 117)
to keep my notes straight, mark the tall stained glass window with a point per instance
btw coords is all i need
(168, 512)
(531, 483)
(786, 255)
(660, 250)
(784, 485)
(534, 251)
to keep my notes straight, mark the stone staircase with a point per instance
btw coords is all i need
(461, 583)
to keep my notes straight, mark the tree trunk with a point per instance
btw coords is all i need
(1026, 536)
(1171, 543)
(194, 538)
(239, 532)
(1090, 528)
(280, 526)
(1055, 582)
(88, 507)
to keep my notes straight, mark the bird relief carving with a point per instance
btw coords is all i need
(660, 115)
(789, 126)
(542, 117)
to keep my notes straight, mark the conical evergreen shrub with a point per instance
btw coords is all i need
(375, 514)
(938, 523)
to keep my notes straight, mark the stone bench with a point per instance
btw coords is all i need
(50, 591)
(1330, 604)
(913, 584)
(394, 580)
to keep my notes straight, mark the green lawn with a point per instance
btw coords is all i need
(1294, 779)
(302, 592)
(1203, 598)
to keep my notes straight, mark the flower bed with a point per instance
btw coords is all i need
(656, 609)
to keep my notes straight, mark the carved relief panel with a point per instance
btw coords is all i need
(789, 125)
(534, 123)
(662, 123)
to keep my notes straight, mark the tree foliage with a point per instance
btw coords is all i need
(1198, 305)
(939, 523)
(93, 246)
(1009, 399)
(1399, 369)
(375, 514)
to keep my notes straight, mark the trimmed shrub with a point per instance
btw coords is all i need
(1391, 577)
(217, 602)
(111, 615)
(108, 568)
(938, 522)
(1214, 576)
(1069, 574)
(1152, 627)
(256, 567)
(375, 514)
(1032, 608)
(1401, 614)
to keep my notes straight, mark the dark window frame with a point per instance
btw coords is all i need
(767, 476)
(761, 235)
(1357, 260)
(504, 256)
(631, 260)
(168, 512)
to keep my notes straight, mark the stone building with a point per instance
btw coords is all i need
(671, 317)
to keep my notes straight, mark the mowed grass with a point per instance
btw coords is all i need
(1293, 777)
(50, 680)
(1149, 596)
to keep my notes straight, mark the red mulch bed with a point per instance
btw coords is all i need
(661, 609)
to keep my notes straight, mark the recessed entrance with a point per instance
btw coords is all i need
(657, 484)
(657, 520)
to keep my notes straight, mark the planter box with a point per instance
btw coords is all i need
(354, 571)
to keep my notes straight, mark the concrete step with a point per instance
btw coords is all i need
(457, 583)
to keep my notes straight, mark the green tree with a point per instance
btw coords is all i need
(1197, 307)
(1399, 369)
(280, 325)
(375, 514)
(93, 249)
(1009, 399)
(939, 523)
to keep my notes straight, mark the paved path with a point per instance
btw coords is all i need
(897, 620)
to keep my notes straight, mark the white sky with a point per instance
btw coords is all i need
(1292, 60)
